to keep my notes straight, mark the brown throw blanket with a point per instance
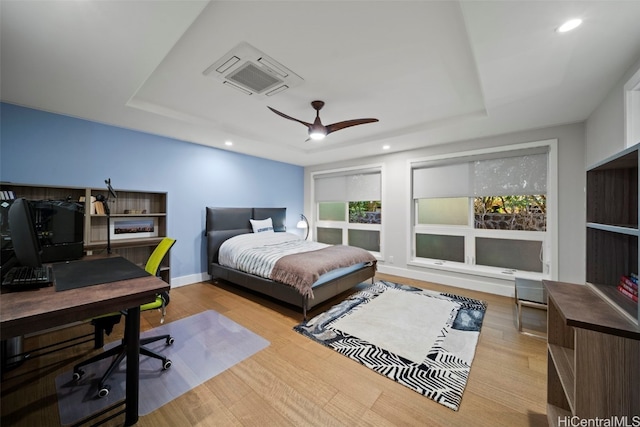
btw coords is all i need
(303, 269)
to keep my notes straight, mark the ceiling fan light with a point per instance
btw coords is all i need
(316, 135)
(569, 25)
(317, 131)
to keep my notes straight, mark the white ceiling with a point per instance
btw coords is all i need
(432, 72)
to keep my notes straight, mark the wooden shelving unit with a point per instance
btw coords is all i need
(143, 204)
(612, 228)
(593, 357)
(593, 329)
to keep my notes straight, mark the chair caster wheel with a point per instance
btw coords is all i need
(104, 391)
(170, 341)
(166, 365)
(78, 375)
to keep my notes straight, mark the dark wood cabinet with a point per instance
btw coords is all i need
(593, 357)
(593, 329)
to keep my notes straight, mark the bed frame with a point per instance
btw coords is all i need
(224, 223)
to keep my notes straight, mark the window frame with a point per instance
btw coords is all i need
(549, 238)
(345, 225)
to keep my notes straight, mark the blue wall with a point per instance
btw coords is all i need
(43, 148)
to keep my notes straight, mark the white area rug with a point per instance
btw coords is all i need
(422, 339)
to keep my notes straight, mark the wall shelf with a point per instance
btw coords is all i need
(132, 215)
(623, 229)
(136, 249)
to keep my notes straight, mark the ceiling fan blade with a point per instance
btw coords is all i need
(317, 130)
(289, 117)
(348, 123)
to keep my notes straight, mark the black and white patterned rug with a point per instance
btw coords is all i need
(422, 339)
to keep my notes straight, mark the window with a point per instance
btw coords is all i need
(440, 246)
(444, 210)
(520, 212)
(331, 211)
(511, 253)
(486, 210)
(349, 208)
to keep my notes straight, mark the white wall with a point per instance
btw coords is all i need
(396, 206)
(605, 128)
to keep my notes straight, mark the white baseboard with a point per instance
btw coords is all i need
(464, 281)
(459, 280)
(176, 282)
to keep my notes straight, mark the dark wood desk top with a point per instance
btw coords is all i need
(581, 307)
(31, 311)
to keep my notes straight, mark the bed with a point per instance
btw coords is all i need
(223, 224)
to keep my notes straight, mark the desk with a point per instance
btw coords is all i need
(31, 311)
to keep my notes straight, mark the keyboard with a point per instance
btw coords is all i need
(28, 277)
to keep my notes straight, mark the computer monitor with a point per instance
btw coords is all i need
(24, 237)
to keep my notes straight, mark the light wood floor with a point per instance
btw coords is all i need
(297, 382)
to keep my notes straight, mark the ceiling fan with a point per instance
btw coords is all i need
(317, 130)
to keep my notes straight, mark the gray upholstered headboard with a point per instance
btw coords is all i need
(224, 223)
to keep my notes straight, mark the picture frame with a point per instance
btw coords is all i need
(133, 228)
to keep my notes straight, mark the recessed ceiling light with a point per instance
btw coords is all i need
(386, 147)
(569, 25)
(228, 143)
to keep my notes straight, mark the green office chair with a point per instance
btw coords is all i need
(120, 351)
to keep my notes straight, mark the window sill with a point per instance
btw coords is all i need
(477, 270)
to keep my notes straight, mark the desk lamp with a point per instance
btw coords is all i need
(303, 223)
(105, 202)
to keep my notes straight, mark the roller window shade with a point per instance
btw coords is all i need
(348, 188)
(441, 181)
(332, 189)
(363, 187)
(506, 174)
(510, 176)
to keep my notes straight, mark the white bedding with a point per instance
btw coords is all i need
(257, 253)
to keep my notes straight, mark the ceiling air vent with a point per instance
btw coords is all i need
(252, 72)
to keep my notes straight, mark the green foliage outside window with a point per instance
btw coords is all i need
(510, 204)
(365, 212)
(511, 212)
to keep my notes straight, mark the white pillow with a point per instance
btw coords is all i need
(262, 225)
